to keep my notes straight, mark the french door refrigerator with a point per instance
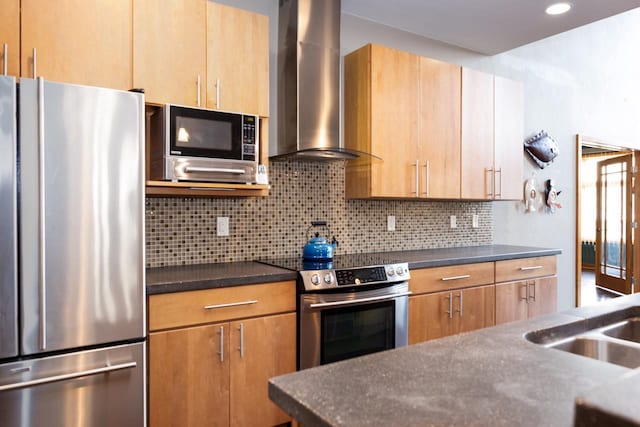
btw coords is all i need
(72, 316)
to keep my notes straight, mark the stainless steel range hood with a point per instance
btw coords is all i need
(309, 81)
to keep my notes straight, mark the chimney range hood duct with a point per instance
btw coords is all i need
(309, 81)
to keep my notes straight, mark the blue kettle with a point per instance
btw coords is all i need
(318, 249)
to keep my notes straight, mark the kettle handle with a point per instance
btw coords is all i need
(318, 223)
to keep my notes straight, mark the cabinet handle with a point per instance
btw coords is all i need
(6, 58)
(464, 276)
(489, 171)
(417, 178)
(35, 62)
(241, 329)
(218, 93)
(426, 179)
(221, 353)
(450, 311)
(535, 267)
(460, 305)
(498, 195)
(533, 285)
(526, 292)
(231, 304)
(198, 89)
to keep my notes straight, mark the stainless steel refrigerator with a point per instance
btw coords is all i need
(72, 316)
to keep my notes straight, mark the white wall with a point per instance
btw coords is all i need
(585, 81)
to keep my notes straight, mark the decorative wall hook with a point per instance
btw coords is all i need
(551, 195)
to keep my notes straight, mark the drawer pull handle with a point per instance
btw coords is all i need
(535, 267)
(231, 304)
(464, 276)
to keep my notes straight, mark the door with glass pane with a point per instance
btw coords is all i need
(613, 224)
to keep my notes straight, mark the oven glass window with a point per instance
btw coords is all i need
(355, 331)
(193, 132)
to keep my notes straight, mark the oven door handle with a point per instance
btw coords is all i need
(203, 169)
(359, 301)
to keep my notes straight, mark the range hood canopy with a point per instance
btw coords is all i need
(309, 81)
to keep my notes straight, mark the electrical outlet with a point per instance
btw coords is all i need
(391, 223)
(222, 226)
(453, 222)
(474, 221)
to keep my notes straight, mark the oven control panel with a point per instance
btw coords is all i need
(328, 279)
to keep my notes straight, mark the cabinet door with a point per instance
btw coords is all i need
(439, 146)
(188, 377)
(83, 42)
(169, 48)
(237, 60)
(394, 122)
(511, 301)
(474, 307)
(543, 296)
(509, 136)
(262, 348)
(429, 317)
(477, 135)
(10, 35)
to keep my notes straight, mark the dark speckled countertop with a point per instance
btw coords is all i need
(492, 376)
(206, 276)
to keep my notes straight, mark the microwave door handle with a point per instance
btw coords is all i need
(359, 301)
(188, 169)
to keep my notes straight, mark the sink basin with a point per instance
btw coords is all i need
(601, 349)
(628, 330)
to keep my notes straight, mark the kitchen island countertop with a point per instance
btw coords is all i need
(206, 276)
(492, 376)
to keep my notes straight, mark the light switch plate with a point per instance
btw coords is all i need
(391, 223)
(222, 226)
(453, 223)
(474, 221)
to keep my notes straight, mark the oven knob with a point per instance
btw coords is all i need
(400, 271)
(328, 278)
(390, 272)
(315, 279)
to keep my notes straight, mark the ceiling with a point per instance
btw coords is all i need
(484, 26)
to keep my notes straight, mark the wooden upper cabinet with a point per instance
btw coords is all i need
(381, 117)
(509, 138)
(477, 135)
(10, 36)
(83, 42)
(169, 50)
(237, 60)
(439, 149)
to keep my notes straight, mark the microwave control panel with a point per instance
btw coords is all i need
(249, 137)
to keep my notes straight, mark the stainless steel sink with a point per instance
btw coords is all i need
(628, 330)
(601, 349)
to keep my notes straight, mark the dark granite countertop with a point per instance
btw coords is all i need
(492, 376)
(206, 276)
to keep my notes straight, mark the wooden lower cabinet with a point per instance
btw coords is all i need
(216, 374)
(446, 313)
(523, 299)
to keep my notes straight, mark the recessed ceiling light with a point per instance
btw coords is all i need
(558, 8)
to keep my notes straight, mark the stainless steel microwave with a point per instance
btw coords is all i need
(196, 144)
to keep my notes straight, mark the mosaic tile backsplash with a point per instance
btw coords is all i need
(183, 230)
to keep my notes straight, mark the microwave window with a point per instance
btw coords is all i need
(204, 134)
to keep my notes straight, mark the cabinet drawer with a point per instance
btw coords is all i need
(221, 304)
(451, 277)
(525, 268)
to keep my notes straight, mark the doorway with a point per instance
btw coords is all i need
(605, 227)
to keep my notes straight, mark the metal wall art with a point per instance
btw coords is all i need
(542, 148)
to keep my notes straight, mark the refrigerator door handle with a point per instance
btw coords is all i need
(42, 284)
(69, 376)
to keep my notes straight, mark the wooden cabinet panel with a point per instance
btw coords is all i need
(169, 50)
(188, 381)
(511, 302)
(475, 308)
(428, 317)
(10, 35)
(450, 277)
(509, 136)
(477, 135)
(439, 145)
(525, 268)
(188, 308)
(543, 296)
(82, 42)
(269, 349)
(237, 60)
